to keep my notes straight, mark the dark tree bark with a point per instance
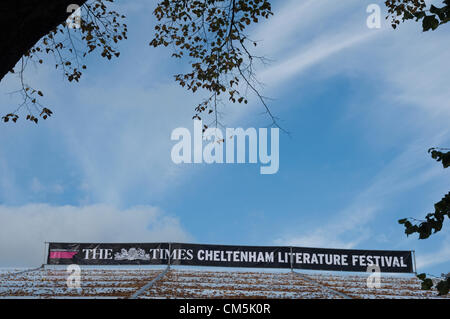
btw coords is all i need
(24, 22)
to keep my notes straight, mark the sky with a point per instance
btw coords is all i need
(362, 107)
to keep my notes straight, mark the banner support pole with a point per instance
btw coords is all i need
(415, 263)
(292, 261)
(170, 254)
(45, 253)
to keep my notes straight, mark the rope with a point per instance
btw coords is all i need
(150, 283)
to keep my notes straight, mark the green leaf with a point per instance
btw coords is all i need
(422, 276)
(443, 287)
(427, 284)
(419, 15)
(430, 22)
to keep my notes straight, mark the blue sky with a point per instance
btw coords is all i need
(362, 105)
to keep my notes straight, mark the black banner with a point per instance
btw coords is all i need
(230, 256)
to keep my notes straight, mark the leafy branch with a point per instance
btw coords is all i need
(433, 221)
(405, 10)
(99, 30)
(212, 35)
(442, 285)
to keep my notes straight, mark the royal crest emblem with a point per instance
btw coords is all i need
(132, 254)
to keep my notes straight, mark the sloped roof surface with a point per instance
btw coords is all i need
(192, 283)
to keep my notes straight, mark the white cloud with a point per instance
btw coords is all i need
(24, 229)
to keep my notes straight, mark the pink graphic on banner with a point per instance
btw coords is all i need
(62, 254)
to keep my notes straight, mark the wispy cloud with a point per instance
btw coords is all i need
(351, 226)
(406, 63)
(308, 57)
(437, 256)
(295, 24)
(37, 186)
(350, 223)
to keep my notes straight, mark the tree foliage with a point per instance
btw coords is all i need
(433, 222)
(431, 18)
(442, 286)
(212, 34)
(98, 30)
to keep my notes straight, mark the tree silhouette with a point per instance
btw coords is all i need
(43, 32)
(433, 222)
(212, 33)
(431, 18)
